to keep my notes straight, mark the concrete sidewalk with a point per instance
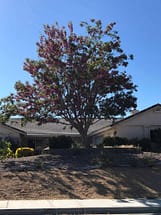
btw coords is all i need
(75, 206)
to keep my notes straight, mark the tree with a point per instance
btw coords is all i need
(77, 78)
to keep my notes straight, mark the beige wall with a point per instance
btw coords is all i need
(130, 131)
(98, 138)
(138, 126)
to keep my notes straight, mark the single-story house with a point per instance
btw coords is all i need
(138, 125)
(38, 135)
(8, 132)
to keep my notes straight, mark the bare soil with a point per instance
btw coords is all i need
(82, 174)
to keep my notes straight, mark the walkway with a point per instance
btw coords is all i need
(89, 206)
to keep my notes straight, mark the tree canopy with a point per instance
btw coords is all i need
(79, 78)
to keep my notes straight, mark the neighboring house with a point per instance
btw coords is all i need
(38, 135)
(13, 134)
(138, 125)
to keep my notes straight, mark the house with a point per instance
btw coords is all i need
(138, 125)
(38, 135)
(11, 133)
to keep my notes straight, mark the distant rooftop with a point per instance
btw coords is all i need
(48, 129)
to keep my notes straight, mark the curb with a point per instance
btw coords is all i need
(83, 211)
(89, 206)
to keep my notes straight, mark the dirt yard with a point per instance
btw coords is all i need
(82, 175)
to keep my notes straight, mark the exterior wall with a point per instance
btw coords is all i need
(98, 138)
(140, 125)
(131, 132)
(6, 132)
(137, 126)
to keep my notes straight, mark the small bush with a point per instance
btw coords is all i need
(100, 146)
(108, 141)
(61, 142)
(24, 152)
(114, 141)
(119, 141)
(14, 143)
(5, 149)
(134, 142)
(145, 144)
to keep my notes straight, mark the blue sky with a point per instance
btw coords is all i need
(138, 23)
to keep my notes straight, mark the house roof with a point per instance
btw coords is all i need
(13, 128)
(47, 129)
(51, 128)
(56, 129)
(103, 127)
(121, 120)
(137, 114)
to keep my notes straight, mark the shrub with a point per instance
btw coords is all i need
(145, 144)
(134, 142)
(24, 152)
(5, 149)
(99, 146)
(119, 141)
(61, 142)
(114, 141)
(52, 141)
(14, 143)
(108, 141)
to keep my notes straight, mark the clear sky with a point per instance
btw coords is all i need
(138, 23)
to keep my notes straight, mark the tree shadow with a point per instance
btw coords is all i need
(55, 176)
(83, 159)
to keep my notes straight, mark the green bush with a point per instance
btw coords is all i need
(14, 143)
(119, 141)
(114, 141)
(108, 141)
(5, 149)
(134, 142)
(145, 144)
(24, 152)
(52, 141)
(61, 142)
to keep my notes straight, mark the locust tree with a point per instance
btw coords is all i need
(78, 78)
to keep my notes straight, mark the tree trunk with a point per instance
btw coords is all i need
(84, 138)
